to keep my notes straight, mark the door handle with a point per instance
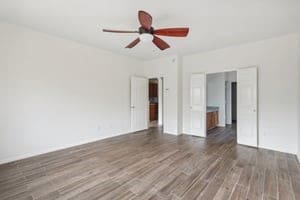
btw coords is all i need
(132, 106)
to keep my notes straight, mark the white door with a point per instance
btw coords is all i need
(247, 106)
(198, 105)
(139, 103)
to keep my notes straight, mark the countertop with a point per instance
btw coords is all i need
(211, 109)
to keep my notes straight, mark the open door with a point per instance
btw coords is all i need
(139, 103)
(247, 106)
(198, 105)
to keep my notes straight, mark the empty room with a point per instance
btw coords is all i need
(153, 100)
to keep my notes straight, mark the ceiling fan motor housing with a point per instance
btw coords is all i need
(143, 30)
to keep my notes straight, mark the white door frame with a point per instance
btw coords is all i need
(161, 101)
(228, 102)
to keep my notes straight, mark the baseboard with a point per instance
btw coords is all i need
(28, 155)
(49, 150)
(276, 149)
(171, 133)
(221, 125)
(190, 134)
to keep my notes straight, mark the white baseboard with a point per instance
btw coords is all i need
(49, 150)
(28, 155)
(276, 149)
(171, 133)
(221, 125)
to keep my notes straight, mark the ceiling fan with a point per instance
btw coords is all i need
(148, 33)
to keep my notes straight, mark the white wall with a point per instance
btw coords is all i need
(215, 94)
(231, 76)
(277, 86)
(61, 93)
(56, 93)
(167, 68)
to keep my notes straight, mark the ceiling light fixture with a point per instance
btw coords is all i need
(146, 37)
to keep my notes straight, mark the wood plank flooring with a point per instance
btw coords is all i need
(152, 165)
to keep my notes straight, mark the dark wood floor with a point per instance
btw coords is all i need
(151, 165)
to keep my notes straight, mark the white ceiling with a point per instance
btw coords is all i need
(213, 23)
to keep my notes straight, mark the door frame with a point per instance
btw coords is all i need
(222, 71)
(235, 70)
(160, 92)
(161, 101)
(228, 102)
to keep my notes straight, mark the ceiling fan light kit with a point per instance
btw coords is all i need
(148, 33)
(146, 37)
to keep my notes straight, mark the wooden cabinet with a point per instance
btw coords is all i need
(153, 110)
(153, 90)
(212, 120)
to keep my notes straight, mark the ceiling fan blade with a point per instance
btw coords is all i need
(118, 31)
(162, 45)
(133, 43)
(172, 32)
(145, 19)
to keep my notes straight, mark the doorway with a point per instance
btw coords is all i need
(155, 102)
(233, 102)
(220, 100)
